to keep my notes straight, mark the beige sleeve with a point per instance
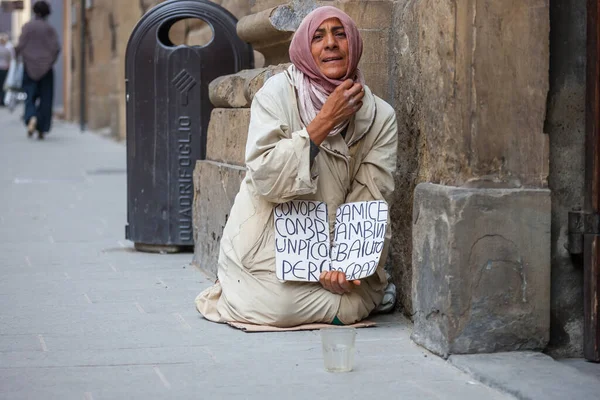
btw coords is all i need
(278, 160)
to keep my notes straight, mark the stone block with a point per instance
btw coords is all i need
(238, 90)
(230, 90)
(377, 79)
(257, 82)
(239, 8)
(270, 30)
(215, 187)
(375, 49)
(467, 75)
(481, 269)
(261, 5)
(375, 61)
(227, 134)
(368, 14)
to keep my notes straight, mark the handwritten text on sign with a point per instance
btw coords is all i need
(302, 244)
(301, 240)
(359, 238)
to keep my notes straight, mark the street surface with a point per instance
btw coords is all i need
(84, 316)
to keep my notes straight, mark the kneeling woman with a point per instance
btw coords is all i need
(316, 133)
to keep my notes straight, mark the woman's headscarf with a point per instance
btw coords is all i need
(313, 87)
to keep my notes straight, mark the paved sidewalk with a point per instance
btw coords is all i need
(84, 316)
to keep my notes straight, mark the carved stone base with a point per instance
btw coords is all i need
(481, 269)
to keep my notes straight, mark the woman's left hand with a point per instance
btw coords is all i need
(336, 282)
(343, 103)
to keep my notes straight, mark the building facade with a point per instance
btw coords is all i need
(12, 23)
(6, 22)
(490, 100)
(108, 26)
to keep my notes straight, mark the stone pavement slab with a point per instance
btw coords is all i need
(583, 366)
(532, 376)
(84, 316)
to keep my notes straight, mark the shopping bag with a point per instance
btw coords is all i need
(14, 79)
(10, 100)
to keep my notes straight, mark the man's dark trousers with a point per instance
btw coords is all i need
(44, 91)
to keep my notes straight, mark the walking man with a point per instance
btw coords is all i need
(39, 48)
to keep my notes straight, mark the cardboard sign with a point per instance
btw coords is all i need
(302, 244)
(359, 238)
(301, 240)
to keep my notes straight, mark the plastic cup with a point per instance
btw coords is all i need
(338, 349)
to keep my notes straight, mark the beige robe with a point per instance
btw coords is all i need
(357, 168)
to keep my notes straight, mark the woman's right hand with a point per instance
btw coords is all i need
(343, 103)
(336, 282)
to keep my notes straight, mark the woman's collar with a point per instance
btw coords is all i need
(363, 120)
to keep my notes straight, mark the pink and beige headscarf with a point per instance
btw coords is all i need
(313, 87)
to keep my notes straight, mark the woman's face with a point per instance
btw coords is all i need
(329, 48)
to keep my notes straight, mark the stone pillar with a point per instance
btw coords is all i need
(472, 85)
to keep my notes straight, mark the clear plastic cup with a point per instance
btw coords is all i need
(338, 348)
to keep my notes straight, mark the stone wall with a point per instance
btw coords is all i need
(470, 111)
(110, 23)
(482, 87)
(566, 126)
(374, 20)
(469, 88)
